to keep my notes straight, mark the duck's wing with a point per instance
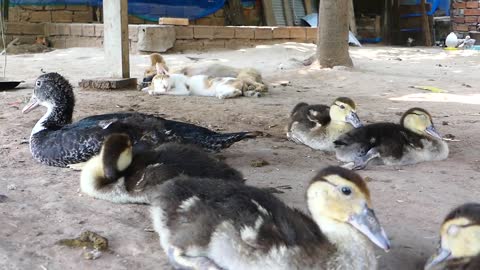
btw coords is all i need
(156, 129)
(208, 139)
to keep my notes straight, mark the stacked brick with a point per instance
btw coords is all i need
(466, 15)
(87, 14)
(54, 13)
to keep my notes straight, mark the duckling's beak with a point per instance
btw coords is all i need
(441, 256)
(433, 132)
(367, 223)
(353, 119)
(32, 104)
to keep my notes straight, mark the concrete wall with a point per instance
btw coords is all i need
(67, 35)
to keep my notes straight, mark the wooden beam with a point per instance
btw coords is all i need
(351, 15)
(287, 9)
(115, 40)
(268, 13)
(425, 24)
(308, 6)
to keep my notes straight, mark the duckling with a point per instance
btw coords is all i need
(459, 247)
(56, 141)
(212, 224)
(317, 126)
(122, 173)
(414, 140)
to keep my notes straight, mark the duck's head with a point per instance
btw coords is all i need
(342, 196)
(51, 90)
(419, 121)
(459, 235)
(343, 109)
(116, 155)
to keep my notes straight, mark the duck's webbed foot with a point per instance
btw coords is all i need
(361, 162)
(181, 262)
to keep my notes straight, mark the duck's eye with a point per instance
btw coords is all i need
(346, 191)
(38, 83)
(342, 107)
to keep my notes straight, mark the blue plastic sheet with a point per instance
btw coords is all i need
(146, 9)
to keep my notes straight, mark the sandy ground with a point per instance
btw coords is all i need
(44, 203)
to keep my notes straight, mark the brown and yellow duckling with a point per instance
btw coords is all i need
(412, 141)
(214, 224)
(123, 174)
(459, 247)
(317, 126)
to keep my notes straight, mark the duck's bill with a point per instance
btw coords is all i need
(32, 104)
(367, 223)
(433, 132)
(441, 256)
(353, 119)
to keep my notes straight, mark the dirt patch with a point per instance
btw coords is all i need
(46, 206)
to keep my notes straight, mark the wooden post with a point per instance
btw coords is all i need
(425, 24)
(308, 6)
(115, 40)
(268, 13)
(351, 13)
(287, 9)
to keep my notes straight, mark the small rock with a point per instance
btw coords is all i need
(445, 123)
(3, 198)
(449, 136)
(92, 255)
(259, 163)
(12, 187)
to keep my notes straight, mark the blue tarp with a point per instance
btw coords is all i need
(146, 9)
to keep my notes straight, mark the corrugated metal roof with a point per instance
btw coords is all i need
(278, 12)
(298, 11)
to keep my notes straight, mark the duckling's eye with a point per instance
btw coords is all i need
(346, 191)
(342, 107)
(38, 83)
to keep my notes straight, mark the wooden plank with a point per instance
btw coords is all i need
(308, 6)
(172, 21)
(287, 10)
(115, 39)
(425, 25)
(351, 15)
(386, 35)
(268, 13)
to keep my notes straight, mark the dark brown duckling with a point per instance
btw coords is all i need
(317, 126)
(123, 174)
(412, 141)
(216, 224)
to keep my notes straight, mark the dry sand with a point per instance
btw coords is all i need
(44, 203)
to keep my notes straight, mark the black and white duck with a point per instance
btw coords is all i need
(459, 247)
(56, 141)
(317, 126)
(122, 173)
(412, 141)
(214, 224)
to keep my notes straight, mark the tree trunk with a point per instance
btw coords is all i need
(332, 45)
(234, 12)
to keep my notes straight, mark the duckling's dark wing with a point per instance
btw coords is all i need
(172, 159)
(309, 116)
(241, 205)
(388, 138)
